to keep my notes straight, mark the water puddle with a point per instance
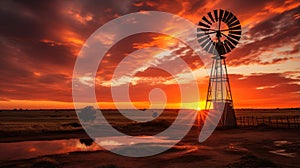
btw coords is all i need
(120, 141)
(281, 143)
(284, 145)
(282, 152)
(235, 147)
(31, 149)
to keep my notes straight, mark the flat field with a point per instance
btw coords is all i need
(40, 138)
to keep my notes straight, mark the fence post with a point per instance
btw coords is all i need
(248, 121)
(298, 126)
(241, 122)
(288, 121)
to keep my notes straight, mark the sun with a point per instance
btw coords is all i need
(199, 105)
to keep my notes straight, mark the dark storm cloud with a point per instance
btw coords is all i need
(278, 23)
(162, 5)
(153, 72)
(190, 57)
(257, 80)
(25, 70)
(11, 66)
(244, 7)
(31, 20)
(43, 87)
(46, 53)
(53, 78)
(24, 25)
(40, 19)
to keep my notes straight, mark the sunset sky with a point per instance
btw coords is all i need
(40, 40)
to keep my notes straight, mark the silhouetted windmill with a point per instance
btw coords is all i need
(219, 33)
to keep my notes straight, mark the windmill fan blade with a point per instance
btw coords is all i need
(229, 44)
(206, 31)
(230, 16)
(199, 35)
(211, 17)
(204, 25)
(232, 41)
(227, 47)
(235, 28)
(206, 20)
(201, 30)
(207, 47)
(216, 14)
(205, 42)
(203, 39)
(213, 32)
(236, 38)
(225, 16)
(234, 24)
(235, 33)
(221, 14)
(232, 20)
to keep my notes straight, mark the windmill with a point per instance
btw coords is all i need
(218, 33)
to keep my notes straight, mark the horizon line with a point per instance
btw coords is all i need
(247, 108)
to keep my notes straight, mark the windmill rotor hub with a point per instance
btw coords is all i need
(218, 34)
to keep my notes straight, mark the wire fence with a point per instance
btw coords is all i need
(272, 122)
